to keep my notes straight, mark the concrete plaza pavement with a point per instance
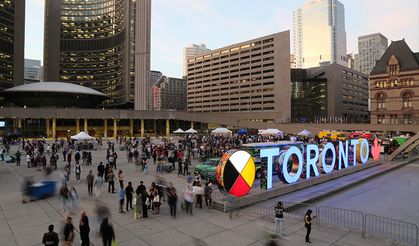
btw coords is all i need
(24, 224)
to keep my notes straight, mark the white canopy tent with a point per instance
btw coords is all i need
(82, 136)
(271, 132)
(304, 133)
(191, 131)
(222, 131)
(179, 131)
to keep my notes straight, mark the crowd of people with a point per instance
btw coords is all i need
(167, 156)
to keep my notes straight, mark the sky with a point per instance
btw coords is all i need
(218, 23)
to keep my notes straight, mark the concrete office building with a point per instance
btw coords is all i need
(252, 76)
(169, 94)
(104, 45)
(32, 72)
(319, 35)
(394, 84)
(370, 49)
(192, 51)
(12, 39)
(329, 94)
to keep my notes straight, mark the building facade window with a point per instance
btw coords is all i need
(407, 100)
(380, 101)
(407, 119)
(380, 119)
(393, 119)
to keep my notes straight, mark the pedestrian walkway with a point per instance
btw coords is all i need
(24, 224)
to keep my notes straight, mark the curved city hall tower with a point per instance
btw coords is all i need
(103, 44)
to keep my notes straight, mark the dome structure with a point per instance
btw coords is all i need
(56, 94)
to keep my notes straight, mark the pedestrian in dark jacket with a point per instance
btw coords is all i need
(106, 232)
(84, 229)
(50, 238)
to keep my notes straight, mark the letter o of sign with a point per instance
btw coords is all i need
(364, 151)
(295, 173)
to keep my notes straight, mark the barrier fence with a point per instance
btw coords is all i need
(341, 217)
(366, 224)
(398, 230)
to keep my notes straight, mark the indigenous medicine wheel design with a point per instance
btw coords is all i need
(236, 172)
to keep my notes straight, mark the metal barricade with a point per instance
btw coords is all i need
(398, 230)
(297, 210)
(341, 217)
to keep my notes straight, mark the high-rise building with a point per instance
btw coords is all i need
(252, 76)
(104, 45)
(190, 52)
(319, 34)
(370, 49)
(394, 86)
(32, 71)
(169, 94)
(12, 39)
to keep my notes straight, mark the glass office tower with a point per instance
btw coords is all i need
(319, 34)
(94, 44)
(12, 31)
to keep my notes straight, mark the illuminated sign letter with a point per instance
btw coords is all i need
(270, 153)
(328, 168)
(364, 151)
(311, 162)
(354, 142)
(343, 155)
(294, 175)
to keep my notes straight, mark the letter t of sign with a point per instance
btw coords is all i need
(269, 153)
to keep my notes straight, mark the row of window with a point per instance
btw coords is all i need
(406, 97)
(395, 119)
(395, 83)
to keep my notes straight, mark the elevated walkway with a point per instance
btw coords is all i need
(406, 148)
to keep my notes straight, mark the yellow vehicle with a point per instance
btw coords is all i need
(333, 135)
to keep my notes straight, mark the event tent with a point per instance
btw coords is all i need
(82, 136)
(179, 131)
(191, 131)
(271, 132)
(222, 131)
(304, 133)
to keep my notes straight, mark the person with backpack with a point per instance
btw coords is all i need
(50, 238)
(279, 219)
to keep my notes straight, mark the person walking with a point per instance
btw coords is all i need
(121, 178)
(199, 195)
(84, 229)
(77, 169)
(74, 199)
(172, 197)
(279, 219)
(18, 154)
(101, 169)
(208, 194)
(307, 223)
(121, 196)
(188, 198)
(111, 181)
(106, 232)
(145, 202)
(64, 195)
(138, 211)
(90, 180)
(98, 184)
(129, 191)
(68, 232)
(50, 238)
(156, 202)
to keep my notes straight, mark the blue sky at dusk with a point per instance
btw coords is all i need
(217, 23)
